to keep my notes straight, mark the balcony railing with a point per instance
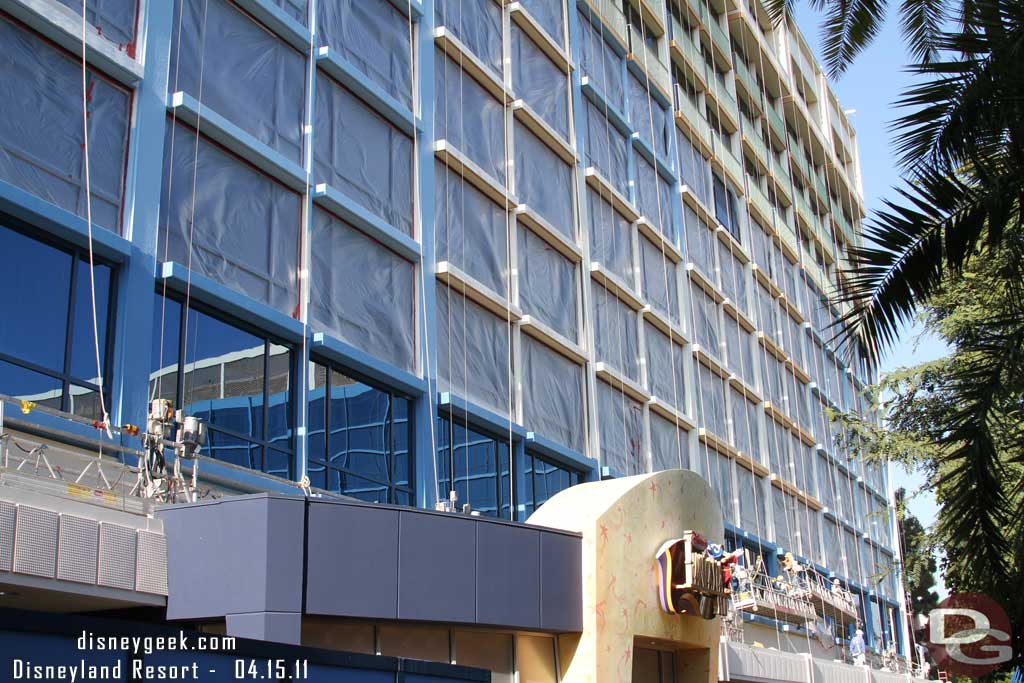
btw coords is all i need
(718, 37)
(610, 13)
(693, 119)
(649, 61)
(728, 160)
(820, 187)
(749, 83)
(800, 163)
(758, 198)
(691, 53)
(776, 122)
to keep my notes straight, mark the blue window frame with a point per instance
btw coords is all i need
(476, 466)
(359, 438)
(537, 480)
(47, 350)
(236, 379)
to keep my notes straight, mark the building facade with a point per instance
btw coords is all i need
(412, 251)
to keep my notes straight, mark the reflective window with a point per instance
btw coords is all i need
(359, 438)
(537, 480)
(47, 348)
(476, 466)
(239, 382)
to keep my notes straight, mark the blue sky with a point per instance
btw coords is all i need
(871, 86)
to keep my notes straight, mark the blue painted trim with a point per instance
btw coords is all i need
(352, 212)
(598, 99)
(460, 409)
(205, 290)
(343, 71)
(274, 18)
(62, 224)
(219, 129)
(559, 454)
(343, 353)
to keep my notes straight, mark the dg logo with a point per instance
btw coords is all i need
(969, 635)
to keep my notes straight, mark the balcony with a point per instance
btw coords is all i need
(723, 102)
(610, 14)
(693, 121)
(820, 186)
(746, 80)
(758, 201)
(727, 160)
(719, 38)
(649, 62)
(758, 150)
(803, 210)
(687, 54)
(776, 124)
(800, 164)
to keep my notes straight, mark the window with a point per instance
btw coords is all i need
(705, 319)
(474, 465)
(238, 381)
(665, 363)
(654, 197)
(615, 333)
(693, 169)
(605, 148)
(41, 148)
(538, 479)
(47, 349)
(669, 445)
(750, 493)
(114, 19)
(660, 285)
(649, 117)
(543, 181)
(467, 116)
(476, 24)
(720, 478)
(548, 14)
(359, 438)
(553, 395)
(620, 429)
(711, 408)
(700, 242)
(726, 210)
(239, 70)
(599, 62)
(539, 81)
(611, 242)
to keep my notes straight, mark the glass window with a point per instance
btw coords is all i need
(660, 285)
(362, 292)
(239, 382)
(620, 420)
(611, 242)
(363, 155)
(615, 333)
(113, 19)
(477, 24)
(544, 181)
(669, 445)
(605, 148)
(726, 210)
(359, 438)
(553, 395)
(539, 81)
(599, 62)
(474, 465)
(538, 479)
(241, 71)
(41, 142)
(46, 355)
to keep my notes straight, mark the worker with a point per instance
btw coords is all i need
(858, 649)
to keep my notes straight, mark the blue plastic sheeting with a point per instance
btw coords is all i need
(719, 475)
(472, 351)
(374, 36)
(649, 118)
(470, 231)
(694, 170)
(237, 68)
(666, 361)
(616, 333)
(228, 221)
(113, 19)
(620, 426)
(553, 401)
(700, 242)
(660, 282)
(742, 429)
(296, 9)
(362, 154)
(711, 408)
(600, 63)
(548, 285)
(550, 14)
(654, 197)
(605, 148)
(669, 445)
(544, 181)
(41, 139)
(540, 82)
(468, 117)
(705, 319)
(362, 293)
(477, 23)
(750, 490)
(611, 238)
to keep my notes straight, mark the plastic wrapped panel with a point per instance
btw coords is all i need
(605, 148)
(727, 268)
(245, 232)
(472, 351)
(362, 292)
(360, 153)
(654, 198)
(113, 19)
(665, 367)
(477, 23)
(544, 181)
(660, 283)
(41, 141)
(669, 445)
(540, 82)
(740, 425)
(782, 518)
(750, 491)
(470, 230)
(833, 546)
(722, 483)
(553, 404)
(711, 403)
(705, 319)
(374, 36)
(550, 15)
(649, 118)
(694, 169)
(620, 421)
(468, 117)
(615, 333)
(700, 243)
(548, 285)
(240, 70)
(600, 63)
(611, 237)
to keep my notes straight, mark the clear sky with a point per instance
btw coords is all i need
(871, 86)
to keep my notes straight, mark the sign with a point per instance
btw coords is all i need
(969, 635)
(689, 580)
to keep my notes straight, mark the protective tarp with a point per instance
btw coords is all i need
(726, 210)
(113, 19)
(669, 445)
(649, 118)
(767, 313)
(781, 516)
(700, 242)
(615, 333)
(750, 492)
(544, 181)
(606, 149)
(737, 349)
(719, 476)
(540, 82)
(468, 117)
(854, 569)
(241, 71)
(711, 404)
(41, 139)
(472, 351)
(296, 9)
(362, 292)
(654, 197)
(741, 428)
(705, 320)
(666, 361)
(360, 153)
(553, 403)
(694, 169)
(833, 546)
(550, 15)
(245, 233)
(727, 267)
(600, 63)
(660, 280)
(548, 284)
(470, 230)
(611, 242)
(374, 36)
(761, 246)
(477, 23)
(620, 425)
